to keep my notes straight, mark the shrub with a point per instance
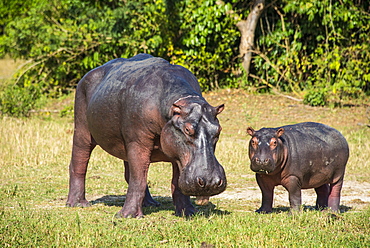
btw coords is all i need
(18, 101)
(316, 97)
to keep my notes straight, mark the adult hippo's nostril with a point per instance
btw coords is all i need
(220, 183)
(213, 184)
(201, 182)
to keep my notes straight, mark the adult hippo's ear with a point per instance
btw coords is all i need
(180, 107)
(176, 113)
(176, 109)
(179, 111)
(250, 131)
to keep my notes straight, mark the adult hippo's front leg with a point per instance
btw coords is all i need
(148, 199)
(138, 164)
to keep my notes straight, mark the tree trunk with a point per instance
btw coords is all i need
(247, 29)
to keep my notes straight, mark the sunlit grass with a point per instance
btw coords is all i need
(34, 158)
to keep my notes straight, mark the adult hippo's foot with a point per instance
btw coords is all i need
(183, 206)
(129, 214)
(130, 210)
(185, 209)
(76, 196)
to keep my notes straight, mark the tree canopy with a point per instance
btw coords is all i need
(319, 47)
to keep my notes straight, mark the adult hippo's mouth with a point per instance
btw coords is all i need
(194, 183)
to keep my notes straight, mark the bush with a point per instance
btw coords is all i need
(316, 46)
(209, 44)
(299, 45)
(63, 40)
(316, 98)
(18, 101)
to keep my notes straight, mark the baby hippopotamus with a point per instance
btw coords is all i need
(300, 156)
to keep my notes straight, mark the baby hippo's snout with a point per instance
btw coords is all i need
(263, 162)
(262, 165)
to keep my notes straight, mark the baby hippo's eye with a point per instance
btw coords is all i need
(273, 143)
(254, 143)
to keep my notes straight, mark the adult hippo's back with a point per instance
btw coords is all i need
(301, 156)
(145, 110)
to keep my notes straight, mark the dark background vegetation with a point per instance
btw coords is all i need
(318, 51)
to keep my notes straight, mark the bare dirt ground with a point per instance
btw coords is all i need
(354, 195)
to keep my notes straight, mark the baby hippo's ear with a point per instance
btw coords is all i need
(220, 108)
(250, 131)
(280, 132)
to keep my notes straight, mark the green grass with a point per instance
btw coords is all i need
(34, 158)
(96, 227)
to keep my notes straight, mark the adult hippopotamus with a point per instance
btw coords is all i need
(301, 156)
(145, 110)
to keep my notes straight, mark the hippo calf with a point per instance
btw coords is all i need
(145, 110)
(301, 156)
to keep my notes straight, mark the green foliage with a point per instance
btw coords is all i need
(68, 110)
(19, 101)
(205, 47)
(302, 45)
(318, 46)
(62, 40)
(65, 39)
(316, 97)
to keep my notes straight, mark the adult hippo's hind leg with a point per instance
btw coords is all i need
(183, 206)
(81, 151)
(148, 199)
(322, 196)
(83, 145)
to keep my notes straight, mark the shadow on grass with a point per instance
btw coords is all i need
(166, 204)
(306, 208)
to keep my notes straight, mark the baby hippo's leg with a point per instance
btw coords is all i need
(322, 196)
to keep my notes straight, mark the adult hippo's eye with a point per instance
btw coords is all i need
(189, 129)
